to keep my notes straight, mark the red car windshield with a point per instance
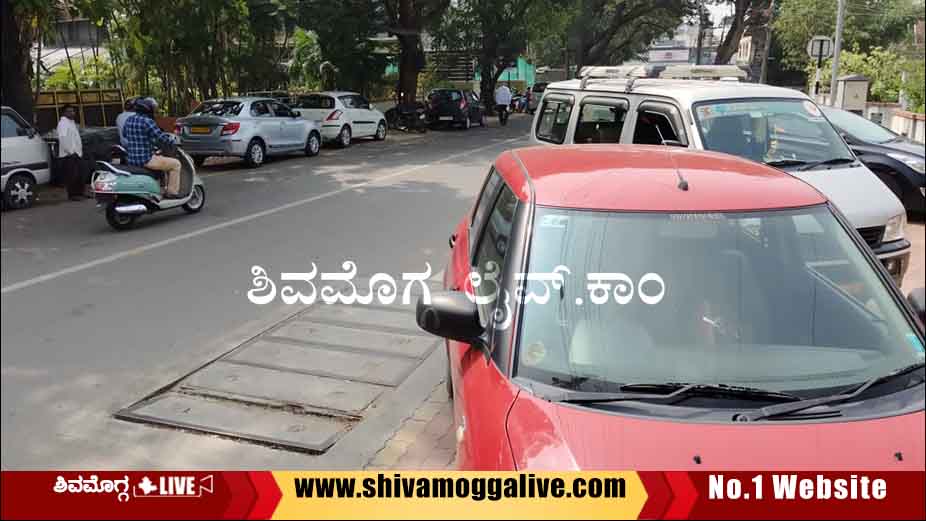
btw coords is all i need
(779, 300)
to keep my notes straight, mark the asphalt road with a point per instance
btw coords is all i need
(94, 320)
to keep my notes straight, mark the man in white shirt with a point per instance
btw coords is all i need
(70, 152)
(123, 116)
(502, 102)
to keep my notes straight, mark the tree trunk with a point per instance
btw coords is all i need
(17, 63)
(408, 69)
(731, 41)
(487, 83)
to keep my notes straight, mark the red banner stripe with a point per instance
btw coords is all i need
(268, 495)
(685, 495)
(658, 495)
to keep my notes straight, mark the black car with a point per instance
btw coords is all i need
(455, 107)
(897, 161)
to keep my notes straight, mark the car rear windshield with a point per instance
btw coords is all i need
(219, 108)
(769, 130)
(314, 102)
(539, 87)
(780, 300)
(445, 95)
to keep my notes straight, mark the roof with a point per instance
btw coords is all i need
(334, 93)
(645, 178)
(685, 91)
(240, 99)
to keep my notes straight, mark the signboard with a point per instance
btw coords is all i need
(669, 55)
(820, 47)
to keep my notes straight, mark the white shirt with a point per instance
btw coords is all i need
(69, 138)
(120, 122)
(503, 95)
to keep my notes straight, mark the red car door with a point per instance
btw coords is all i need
(482, 392)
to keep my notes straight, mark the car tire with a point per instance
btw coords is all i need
(199, 160)
(380, 131)
(344, 137)
(19, 191)
(255, 154)
(313, 144)
(119, 222)
(197, 200)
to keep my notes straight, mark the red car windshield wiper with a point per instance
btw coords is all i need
(833, 161)
(672, 392)
(789, 408)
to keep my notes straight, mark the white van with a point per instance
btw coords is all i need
(26, 161)
(777, 126)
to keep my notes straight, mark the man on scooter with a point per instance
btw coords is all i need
(141, 133)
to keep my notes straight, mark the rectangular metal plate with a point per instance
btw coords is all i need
(320, 361)
(412, 346)
(306, 432)
(368, 316)
(283, 388)
(200, 130)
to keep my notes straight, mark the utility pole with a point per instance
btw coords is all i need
(837, 47)
(700, 31)
(763, 74)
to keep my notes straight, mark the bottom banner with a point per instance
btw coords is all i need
(462, 495)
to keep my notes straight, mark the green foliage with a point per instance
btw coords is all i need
(93, 74)
(868, 23)
(882, 67)
(307, 57)
(915, 85)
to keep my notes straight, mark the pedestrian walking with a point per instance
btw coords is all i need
(70, 152)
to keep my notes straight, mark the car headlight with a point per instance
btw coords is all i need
(916, 163)
(894, 230)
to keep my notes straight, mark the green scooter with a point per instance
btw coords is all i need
(125, 192)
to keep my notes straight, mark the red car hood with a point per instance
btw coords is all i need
(548, 436)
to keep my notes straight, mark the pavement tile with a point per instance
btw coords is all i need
(390, 454)
(410, 431)
(427, 411)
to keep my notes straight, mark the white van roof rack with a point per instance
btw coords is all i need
(704, 72)
(627, 72)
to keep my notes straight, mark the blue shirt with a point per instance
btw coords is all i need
(139, 135)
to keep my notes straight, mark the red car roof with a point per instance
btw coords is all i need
(645, 178)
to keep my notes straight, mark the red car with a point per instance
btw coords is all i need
(657, 308)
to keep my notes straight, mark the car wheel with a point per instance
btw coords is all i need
(255, 154)
(380, 131)
(197, 200)
(119, 221)
(19, 191)
(313, 144)
(344, 137)
(199, 160)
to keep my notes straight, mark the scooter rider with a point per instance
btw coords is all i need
(140, 134)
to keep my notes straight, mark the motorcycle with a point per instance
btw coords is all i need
(125, 192)
(407, 117)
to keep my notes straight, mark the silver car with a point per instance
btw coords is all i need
(248, 127)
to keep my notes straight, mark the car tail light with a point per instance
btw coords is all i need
(178, 129)
(230, 128)
(334, 116)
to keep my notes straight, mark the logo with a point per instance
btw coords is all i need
(173, 486)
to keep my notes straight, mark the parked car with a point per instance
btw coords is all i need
(26, 160)
(252, 128)
(455, 107)
(898, 161)
(342, 116)
(703, 297)
(536, 93)
(776, 126)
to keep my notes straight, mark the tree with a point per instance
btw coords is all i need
(612, 31)
(405, 19)
(23, 23)
(869, 24)
(746, 13)
(494, 31)
(304, 71)
(883, 68)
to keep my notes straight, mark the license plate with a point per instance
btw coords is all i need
(446, 118)
(200, 130)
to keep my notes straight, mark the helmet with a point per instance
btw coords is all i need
(146, 105)
(130, 103)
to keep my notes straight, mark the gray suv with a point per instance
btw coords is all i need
(248, 127)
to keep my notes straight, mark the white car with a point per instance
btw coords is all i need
(342, 116)
(780, 127)
(26, 161)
